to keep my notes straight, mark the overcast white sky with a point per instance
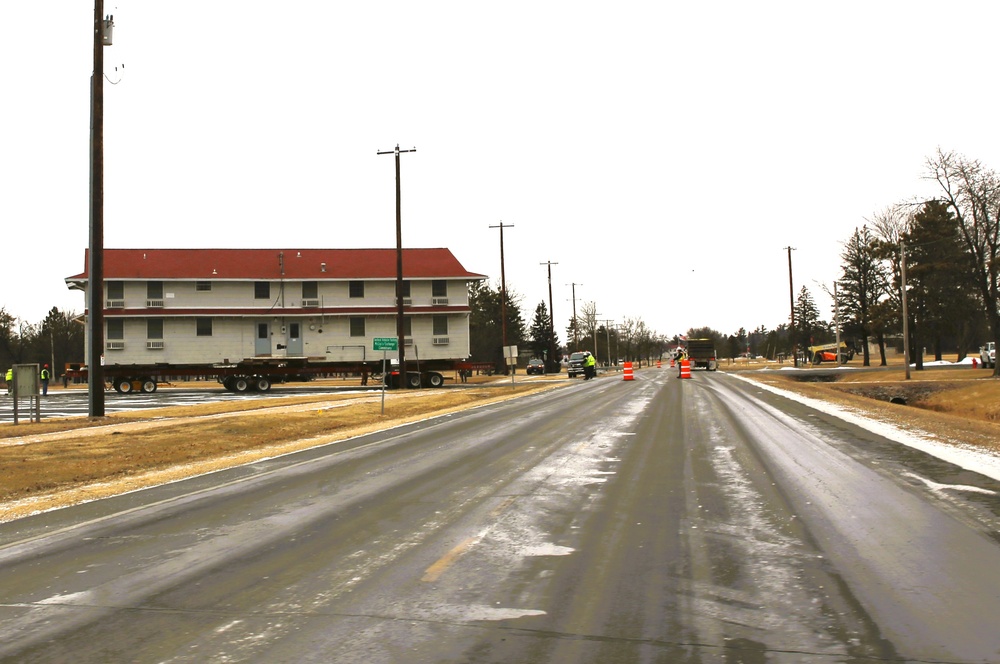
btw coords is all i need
(662, 153)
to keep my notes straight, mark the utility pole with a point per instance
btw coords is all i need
(95, 270)
(576, 341)
(906, 317)
(400, 327)
(552, 320)
(503, 293)
(607, 328)
(791, 300)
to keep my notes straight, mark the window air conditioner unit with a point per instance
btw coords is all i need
(407, 301)
(115, 345)
(407, 341)
(116, 304)
(312, 302)
(155, 345)
(439, 300)
(440, 341)
(154, 304)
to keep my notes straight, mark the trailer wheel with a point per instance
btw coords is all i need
(240, 384)
(262, 384)
(413, 380)
(227, 382)
(123, 386)
(435, 379)
(148, 385)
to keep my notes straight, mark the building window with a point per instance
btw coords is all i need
(357, 326)
(203, 327)
(114, 290)
(116, 328)
(203, 285)
(407, 326)
(406, 289)
(356, 289)
(439, 288)
(262, 290)
(154, 290)
(440, 326)
(154, 328)
(310, 290)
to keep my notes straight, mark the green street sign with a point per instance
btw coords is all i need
(385, 343)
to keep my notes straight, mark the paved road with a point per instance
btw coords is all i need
(654, 520)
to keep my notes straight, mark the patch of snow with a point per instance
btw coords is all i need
(974, 459)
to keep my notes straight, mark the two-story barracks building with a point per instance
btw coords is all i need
(189, 306)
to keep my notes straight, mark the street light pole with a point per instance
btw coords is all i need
(400, 327)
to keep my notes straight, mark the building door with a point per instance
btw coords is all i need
(294, 340)
(262, 343)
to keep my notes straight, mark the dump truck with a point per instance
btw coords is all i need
(701, 354)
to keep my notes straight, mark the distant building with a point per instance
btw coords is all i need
(220, 305)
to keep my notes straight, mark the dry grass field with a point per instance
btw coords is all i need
(65, 461)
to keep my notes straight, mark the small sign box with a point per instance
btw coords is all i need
(385, 343)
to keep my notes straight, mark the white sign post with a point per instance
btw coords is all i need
(510, 353)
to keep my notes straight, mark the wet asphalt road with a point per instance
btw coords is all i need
(654, 520)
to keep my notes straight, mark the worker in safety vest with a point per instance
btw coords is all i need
(589, 366)
(10, 380)
(45, 375)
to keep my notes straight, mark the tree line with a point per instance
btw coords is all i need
(56, 341)
(944, 251)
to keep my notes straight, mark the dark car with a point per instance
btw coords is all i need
(535, 366)
(575, 364)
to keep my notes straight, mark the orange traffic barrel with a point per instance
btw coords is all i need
(685, 368)
(627, 372)
(658, 365)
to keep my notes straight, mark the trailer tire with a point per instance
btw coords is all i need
(262, 384)
(123, 386)
(240, 384)
(148, 385)
(413, 380)
(435, 379)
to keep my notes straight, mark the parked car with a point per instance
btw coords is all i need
(536, 366)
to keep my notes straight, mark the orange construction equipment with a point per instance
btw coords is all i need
(658, 365)
(627, 372)
(685, 368)
(672, 363)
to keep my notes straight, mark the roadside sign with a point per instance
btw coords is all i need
(385, 343)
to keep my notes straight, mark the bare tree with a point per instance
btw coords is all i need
(973, 192)
(890, 226)
(587, 320)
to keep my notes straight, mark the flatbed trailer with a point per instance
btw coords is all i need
(260, 373)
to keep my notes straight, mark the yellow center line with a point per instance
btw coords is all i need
(434, 572)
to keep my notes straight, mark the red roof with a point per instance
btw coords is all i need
(267, 264)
